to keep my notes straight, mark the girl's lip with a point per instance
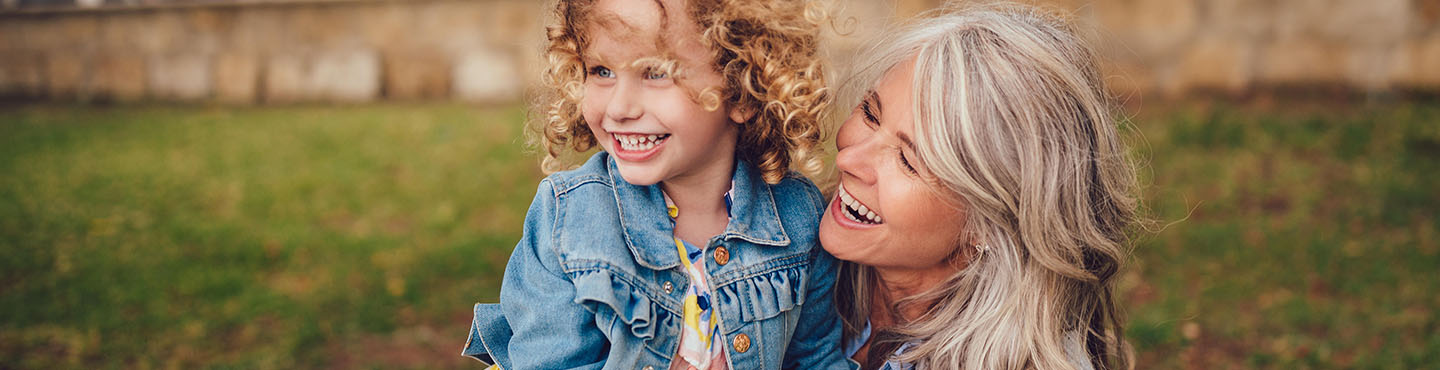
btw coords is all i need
(836, 209)
(633, 155)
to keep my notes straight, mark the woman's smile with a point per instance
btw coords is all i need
(854, 211)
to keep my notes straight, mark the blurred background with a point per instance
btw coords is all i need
(333, 183)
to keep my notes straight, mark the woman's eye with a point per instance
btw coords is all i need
(869, 112)
(602, 72)
(906, 162)
(655, 74)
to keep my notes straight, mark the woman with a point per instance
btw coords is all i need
(984, 199)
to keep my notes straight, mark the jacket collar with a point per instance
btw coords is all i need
(649, 232)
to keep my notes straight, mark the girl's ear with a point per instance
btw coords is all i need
(741, 114)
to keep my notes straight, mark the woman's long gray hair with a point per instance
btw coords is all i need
(1014, 122)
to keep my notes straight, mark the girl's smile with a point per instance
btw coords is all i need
(635, 147)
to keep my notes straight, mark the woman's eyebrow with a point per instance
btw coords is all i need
(905, 139)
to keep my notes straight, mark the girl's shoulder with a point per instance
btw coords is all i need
(595, 170)
(796, 195)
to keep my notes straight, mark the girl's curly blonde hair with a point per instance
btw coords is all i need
(767, 53)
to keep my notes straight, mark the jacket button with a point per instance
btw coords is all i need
(722, 255)
(742, 343)
(668, 287)
(648, 367)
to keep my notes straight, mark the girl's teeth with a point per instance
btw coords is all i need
(638, 142)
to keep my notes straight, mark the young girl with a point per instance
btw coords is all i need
(686, 243)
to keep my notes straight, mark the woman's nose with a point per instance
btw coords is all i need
(853, 157)
(624, 103)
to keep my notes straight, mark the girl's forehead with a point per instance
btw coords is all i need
(617, 29)
(620, 47)
(643, 31)
(626, 17)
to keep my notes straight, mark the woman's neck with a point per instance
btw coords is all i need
(894, 285)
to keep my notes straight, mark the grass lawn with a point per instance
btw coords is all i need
(358, 237)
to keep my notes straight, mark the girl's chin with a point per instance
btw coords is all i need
(638, 175)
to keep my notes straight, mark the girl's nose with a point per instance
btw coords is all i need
(624, 103)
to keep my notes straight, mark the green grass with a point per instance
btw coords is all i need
(253, 238)
(1301, 238)
(358, 237)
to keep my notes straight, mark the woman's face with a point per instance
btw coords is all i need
(884, 213)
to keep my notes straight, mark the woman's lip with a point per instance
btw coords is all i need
(836, 212)
(633, 155)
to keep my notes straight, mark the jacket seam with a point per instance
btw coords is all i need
(570, 184)
(557, 238)
(489, 352)
(795, 260)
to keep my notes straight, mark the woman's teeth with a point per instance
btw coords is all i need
(855, 211)
(639, 142)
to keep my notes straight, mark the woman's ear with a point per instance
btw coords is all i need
(741, 114)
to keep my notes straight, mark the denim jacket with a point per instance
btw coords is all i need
(595, 281)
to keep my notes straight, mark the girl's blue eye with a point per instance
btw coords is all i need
(602, 72)
(655, 74)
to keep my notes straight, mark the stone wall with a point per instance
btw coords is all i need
(488, 50)
(335, 51)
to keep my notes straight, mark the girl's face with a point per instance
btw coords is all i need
(654, 128)
(884, 213)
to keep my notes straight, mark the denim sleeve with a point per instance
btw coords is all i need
(550, 330)
(816, 342)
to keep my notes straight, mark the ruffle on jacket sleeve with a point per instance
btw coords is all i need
(764, 295)
(613, 298)
(489, 336)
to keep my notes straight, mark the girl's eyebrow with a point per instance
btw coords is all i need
(593, 59)
(613, 22)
